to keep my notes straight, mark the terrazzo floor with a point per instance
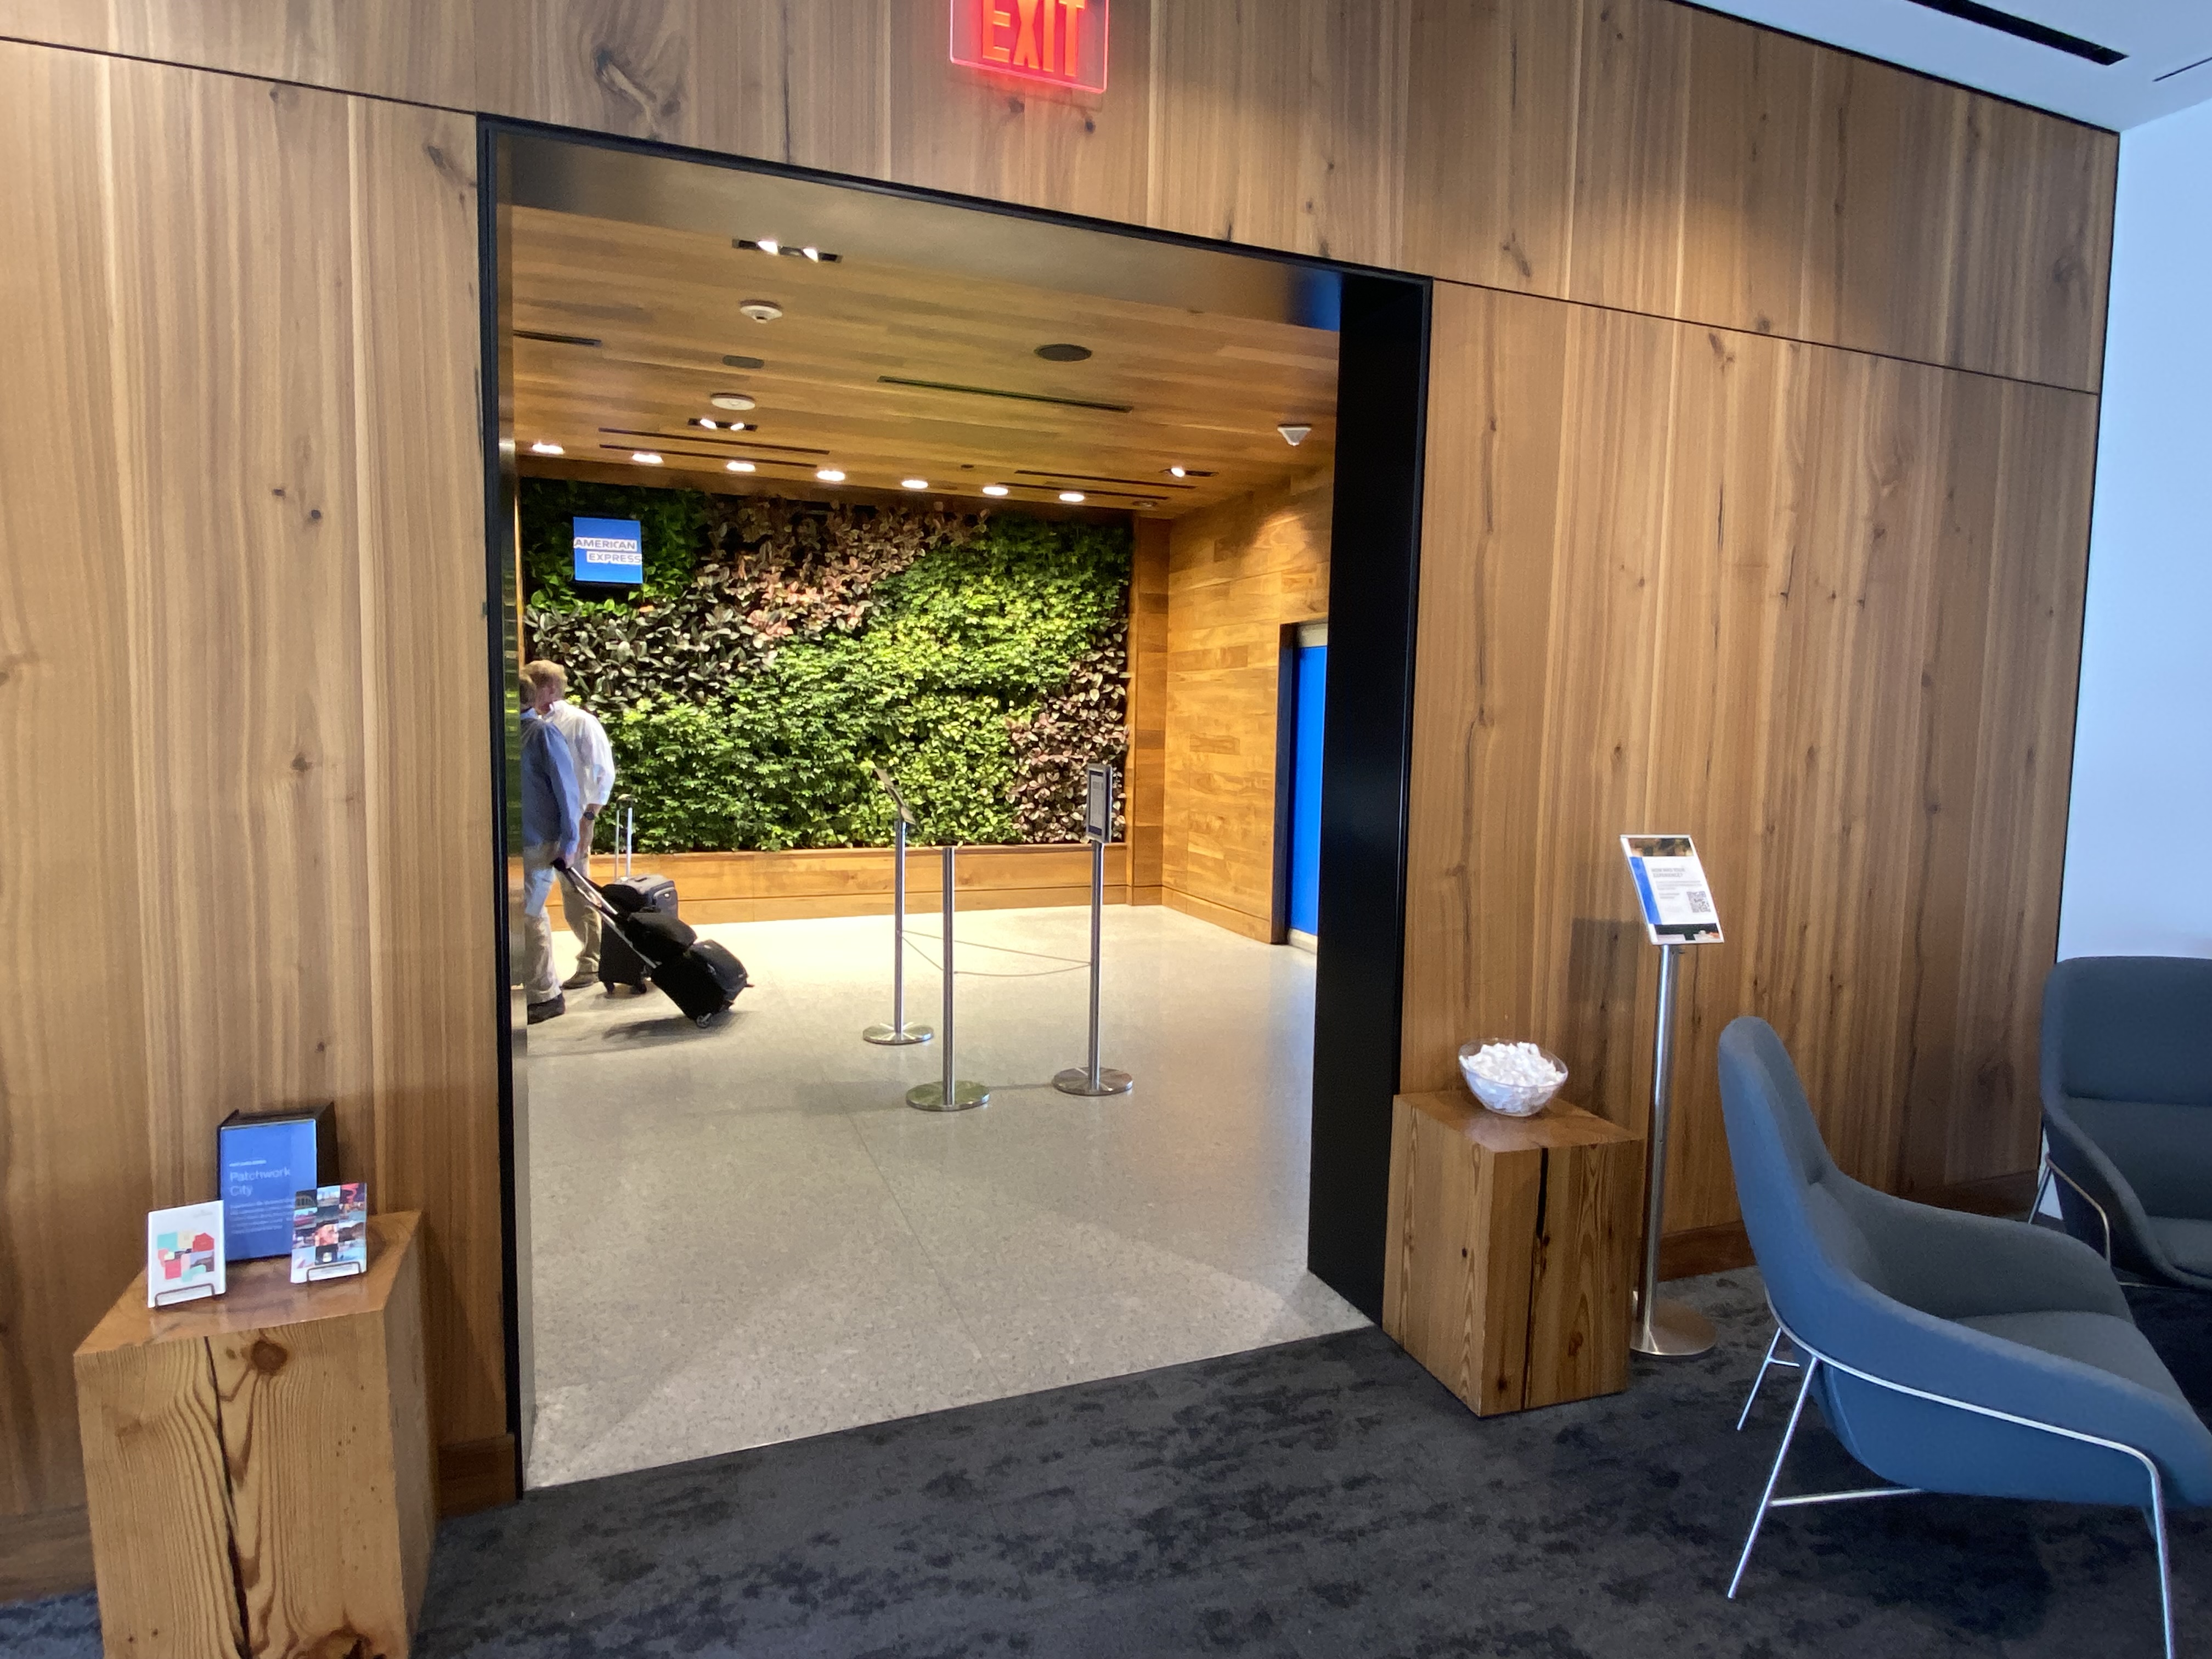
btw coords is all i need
(744, 1236)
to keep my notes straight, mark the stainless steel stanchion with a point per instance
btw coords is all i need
(951, 1094)
(1668, 1330)
(1093, 1078)
(898, 1034)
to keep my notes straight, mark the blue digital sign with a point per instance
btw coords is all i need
(610, 551)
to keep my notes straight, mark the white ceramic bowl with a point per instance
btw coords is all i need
(1508, 1099)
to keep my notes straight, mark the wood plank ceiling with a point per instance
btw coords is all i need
(887, 372)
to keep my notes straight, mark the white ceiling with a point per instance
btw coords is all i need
(2159, 37)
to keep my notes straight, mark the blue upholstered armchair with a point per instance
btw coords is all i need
(2127, 1110)
(1949, 1353)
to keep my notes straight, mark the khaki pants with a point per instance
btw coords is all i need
(583, 921)
(540, 981)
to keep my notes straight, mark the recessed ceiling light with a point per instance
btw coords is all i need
(813, 253)
(739, 466)
(1293, 433)
(707, 422)
(645, 457)
(914, 484)
(1063, 352)
(761, 310)
(766, 245)
(1071, 495)
(830, 475)
(995, 489)
(542, 449)
(1175, 472)
(731, 400)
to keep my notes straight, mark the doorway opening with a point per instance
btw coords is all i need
(982, 500)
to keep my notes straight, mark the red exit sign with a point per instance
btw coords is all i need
(1059, 42)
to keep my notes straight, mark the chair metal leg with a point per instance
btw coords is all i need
(2042, 1189)
(1759, 1381)
(2165, 1566)
(1766, 1497)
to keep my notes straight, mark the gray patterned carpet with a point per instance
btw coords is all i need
(1323, 1497)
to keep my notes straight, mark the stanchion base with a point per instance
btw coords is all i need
(1676, 1331)
(1076, 1080)
(898, 1036)
(930, 1097)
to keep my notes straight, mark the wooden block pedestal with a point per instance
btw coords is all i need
(258, 1467)
(1512, 1246)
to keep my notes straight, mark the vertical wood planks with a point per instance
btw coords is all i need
(73, 1068)
(1793, 604)
(241, 685)
(1147, 782)
(1236, 574)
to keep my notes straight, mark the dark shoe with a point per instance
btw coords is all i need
(551, 1008)
(582, 977)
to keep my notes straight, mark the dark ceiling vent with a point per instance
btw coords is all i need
(995, 392)
(557, 339)
(1064, 352)
(2021, 28)
(744, 362)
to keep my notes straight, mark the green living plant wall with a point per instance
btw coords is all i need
(779, 648)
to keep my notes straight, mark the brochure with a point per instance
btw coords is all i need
(183, 1254)
(330, 1232)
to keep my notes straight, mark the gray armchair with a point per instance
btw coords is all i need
(1949, 1353)
(2127, 1111)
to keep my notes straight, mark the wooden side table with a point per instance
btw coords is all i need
(257, 1467)
(1512, 1246)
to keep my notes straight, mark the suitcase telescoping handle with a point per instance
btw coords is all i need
(626, 832)
(590, 888)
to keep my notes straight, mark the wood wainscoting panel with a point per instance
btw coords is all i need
(1820, 609)
(242, 676)
(1238, 573)
(856, 881)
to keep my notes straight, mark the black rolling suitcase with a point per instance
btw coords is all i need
(701, 976)
(619, 964)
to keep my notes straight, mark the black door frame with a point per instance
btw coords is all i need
(1374, 576)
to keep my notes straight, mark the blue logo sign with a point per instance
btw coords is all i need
(610, 550)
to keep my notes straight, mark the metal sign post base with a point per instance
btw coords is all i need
(897, 1036)
(1676, 1331)
(1079, 1080)
(930, 1097)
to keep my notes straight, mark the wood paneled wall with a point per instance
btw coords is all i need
(1236, 574)
(1819, 609)
(1633, 154)
(1817, 605)
(241, 692)
(1144, 781)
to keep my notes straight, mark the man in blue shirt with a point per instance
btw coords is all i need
(552, 812)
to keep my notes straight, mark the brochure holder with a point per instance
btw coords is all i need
(898, 1034)
(1092, 1079)
(1678, 912)
(950, 1093)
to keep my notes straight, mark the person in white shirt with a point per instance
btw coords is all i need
(595, 781)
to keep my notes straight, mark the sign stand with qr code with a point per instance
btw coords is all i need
(1678, 911)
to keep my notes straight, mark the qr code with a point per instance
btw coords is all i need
(1700, 902)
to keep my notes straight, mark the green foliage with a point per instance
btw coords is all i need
(982, 659)
(671, 523)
